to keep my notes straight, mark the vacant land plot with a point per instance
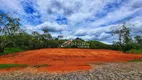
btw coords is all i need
(103, 71)
(65, 59)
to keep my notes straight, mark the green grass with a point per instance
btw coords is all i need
(6, 66)
(138, 51)
(12, 50)
(137, 60)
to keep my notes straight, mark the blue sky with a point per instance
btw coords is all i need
(87, 19)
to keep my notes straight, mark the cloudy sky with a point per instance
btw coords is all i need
(87, 19)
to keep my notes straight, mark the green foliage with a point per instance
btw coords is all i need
(52, 44)
(125, 39)
(12, 50)
(98, 45)
(136, 60)
(24, 41)
(138, 51)
(3, 43)
(9, 26)
(6, 66)
(13, 39)
(138, 40)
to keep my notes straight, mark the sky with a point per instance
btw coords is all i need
(86, 19)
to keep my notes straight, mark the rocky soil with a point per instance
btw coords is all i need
(101, 71)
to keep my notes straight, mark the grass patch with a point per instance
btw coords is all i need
(40, 65)
(136, 60)
(138, 51)
(12, 50)
(6, 66)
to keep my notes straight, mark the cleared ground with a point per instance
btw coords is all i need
(66, 59)
(103, 71)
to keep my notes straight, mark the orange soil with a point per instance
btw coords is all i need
(66, 59)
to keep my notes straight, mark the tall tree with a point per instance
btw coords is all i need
(9, 26)
(45, 30)
(46, 37)
(123, 33)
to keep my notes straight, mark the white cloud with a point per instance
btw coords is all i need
(78, 13)
(137, 24)
(12, 6)
(81, 32)
(124, 11)
(76, 10)
(52, 27)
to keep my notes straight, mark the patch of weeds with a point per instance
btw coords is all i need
(6, 66)
(136, 60)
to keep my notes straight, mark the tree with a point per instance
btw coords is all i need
(45, 30)
(60, 36)
(45, 37)
(138, 40)
(125, 39)
(3, 43)
(9, 26)
(35, 34)
(36, 40)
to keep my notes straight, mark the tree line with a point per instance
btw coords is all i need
(11, 35)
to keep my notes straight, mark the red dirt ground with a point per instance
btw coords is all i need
(66, 59)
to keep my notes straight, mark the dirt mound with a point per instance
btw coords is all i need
(66, 59)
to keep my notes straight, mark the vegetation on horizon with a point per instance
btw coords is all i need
(12, 50)
(138, 51)
(15, 39)
(125, 40)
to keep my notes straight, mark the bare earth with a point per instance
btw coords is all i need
(100, 71)
(65, 60)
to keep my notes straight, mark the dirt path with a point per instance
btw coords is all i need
(66, 59)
